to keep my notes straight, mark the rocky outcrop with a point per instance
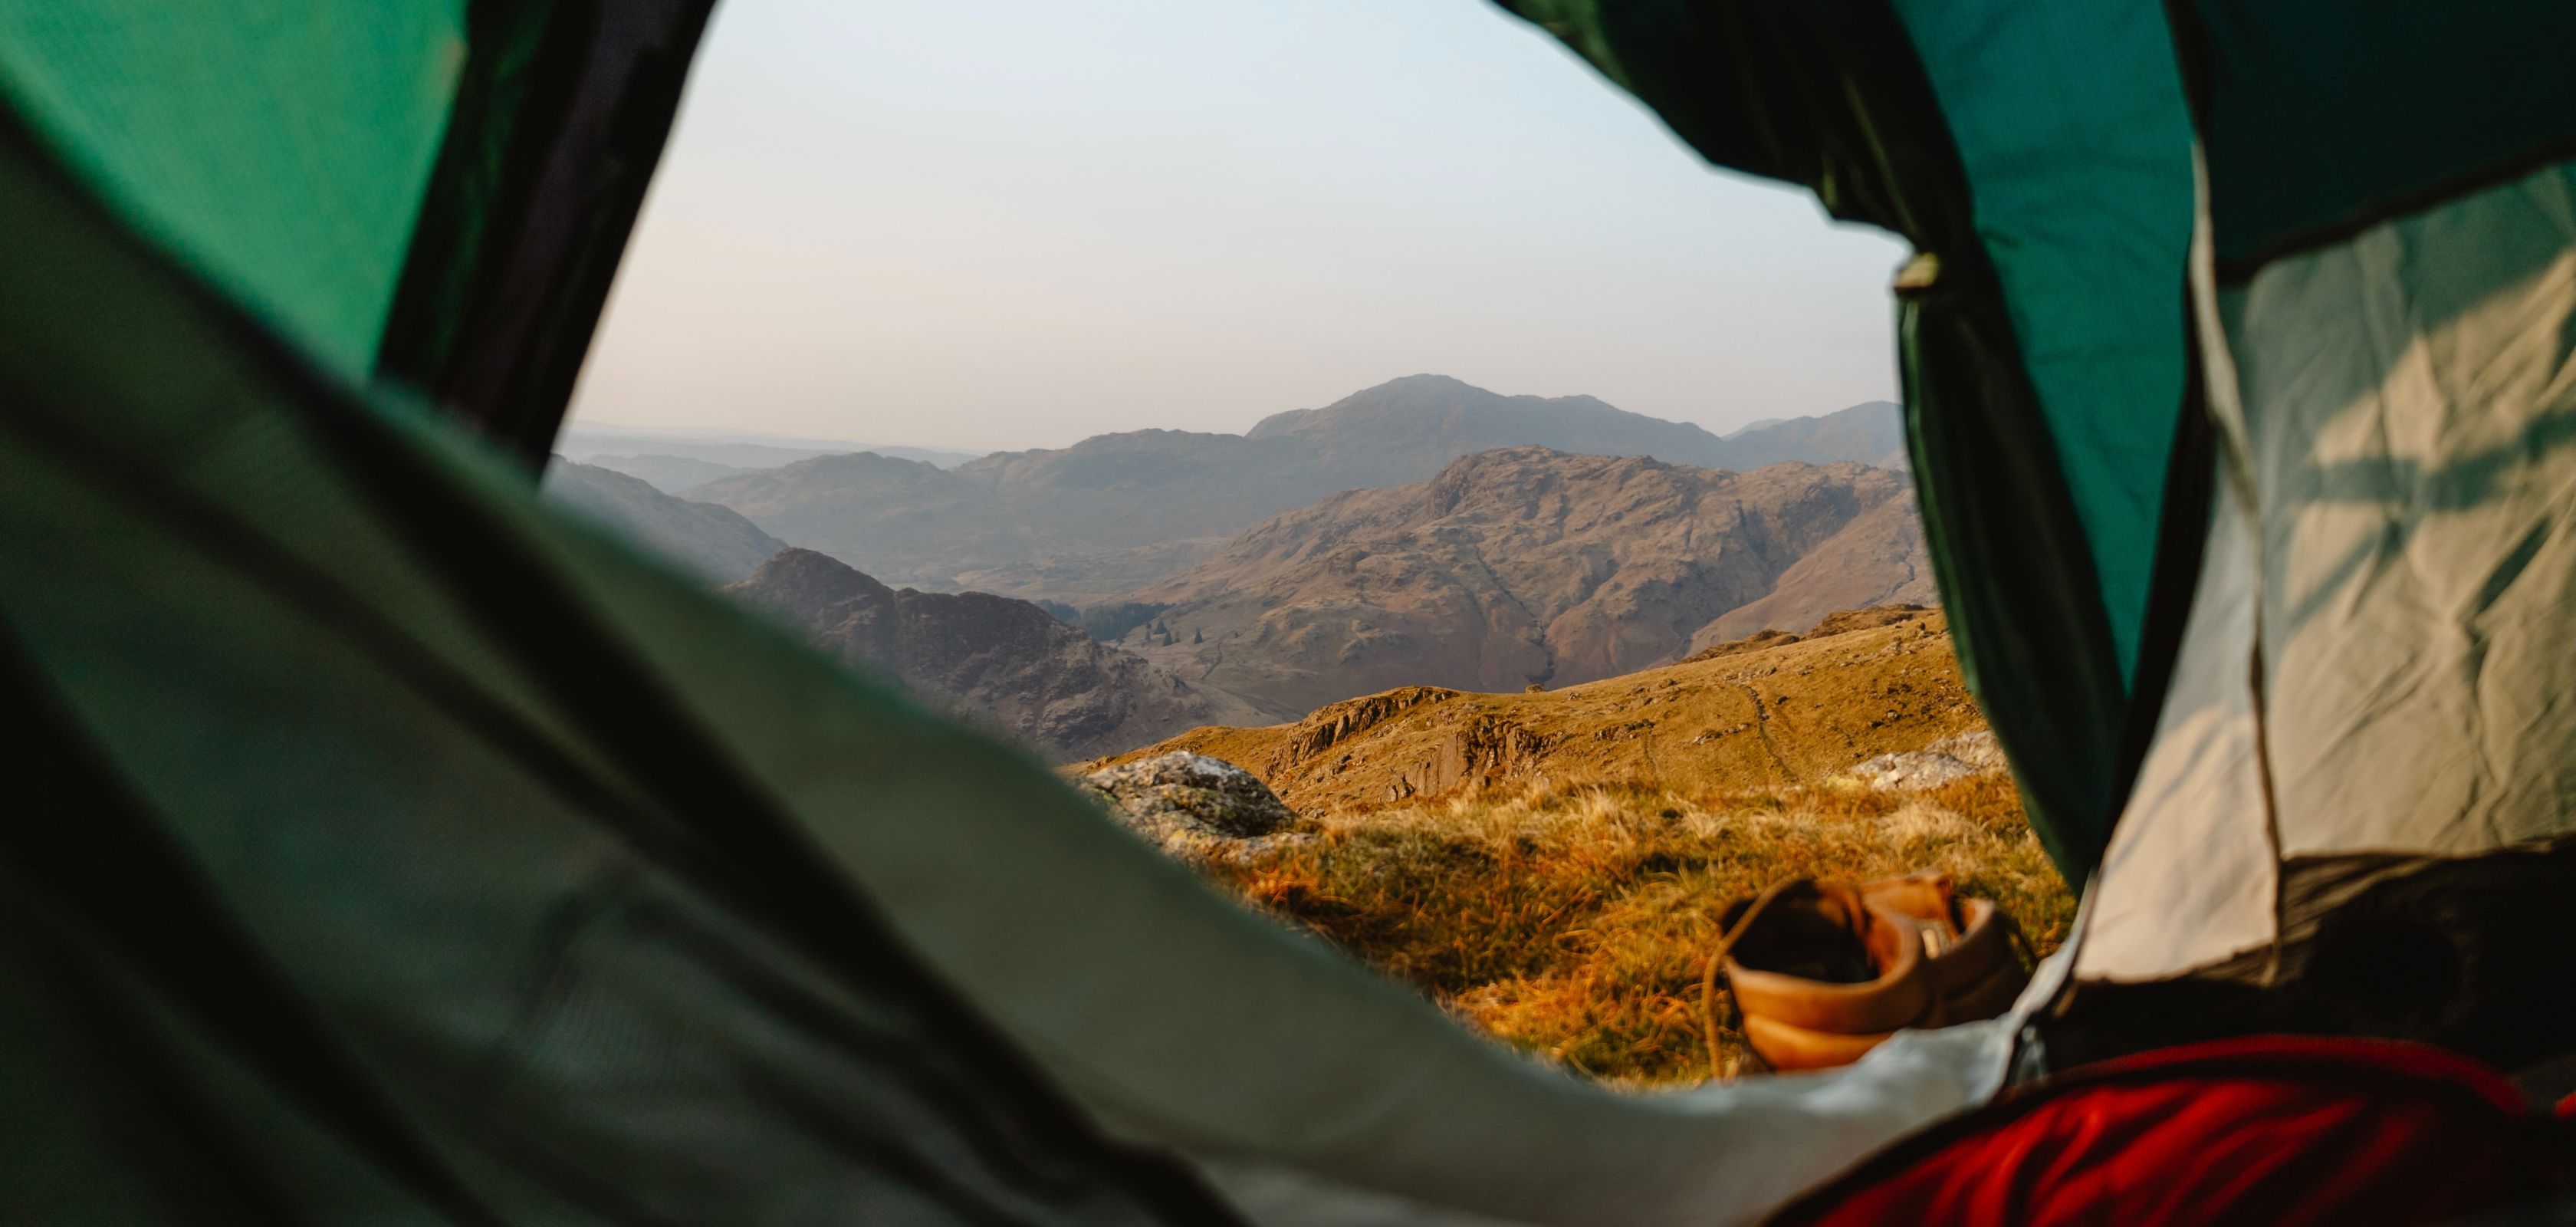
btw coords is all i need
(1510, 568)
(713, 542)
(1002, 663)
(1945, 761)
(1328, 725)
(1172, 794)
(1488, 750)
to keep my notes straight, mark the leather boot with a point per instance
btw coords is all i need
(1824, 972)
(1976, 967)
(1822, 977)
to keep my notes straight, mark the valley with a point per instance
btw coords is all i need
(999, 663)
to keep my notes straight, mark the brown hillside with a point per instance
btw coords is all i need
(1774, 714)
(1878, 559)
(1512, 566)
(1001, 663)
(1562, 888)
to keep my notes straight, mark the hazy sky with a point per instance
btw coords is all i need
(1015, 223)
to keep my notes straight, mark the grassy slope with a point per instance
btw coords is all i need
(1768, 717)
(1564, 899)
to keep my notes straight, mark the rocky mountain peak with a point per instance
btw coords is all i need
(1509, 567)
(806, 584)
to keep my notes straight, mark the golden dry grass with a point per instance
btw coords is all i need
(1575, 920)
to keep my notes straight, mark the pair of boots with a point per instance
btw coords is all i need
(1824, 971)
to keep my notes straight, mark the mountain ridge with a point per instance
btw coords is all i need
(1036, 523)
(716, 542)
(1510, 567)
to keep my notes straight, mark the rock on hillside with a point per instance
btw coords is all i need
(1511, 567)
(1190, 804)
(1795, 713)
(1951, 758)
(1002, 663)
(1078, 522)
(714, 542)
(1877, 559)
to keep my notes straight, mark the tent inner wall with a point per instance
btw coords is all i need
(2373, 700)
(279, 147)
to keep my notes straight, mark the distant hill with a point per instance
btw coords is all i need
(1789, 713)
(714, 542)
(998, 662)
(669, 474)
(1514, 566)
(1143, 487)
(1871, 433)
(1086, 521)
(1406, 429)
(912, 522)
(586, 443)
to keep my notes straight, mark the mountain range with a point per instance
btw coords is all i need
(1160, 600)
(715, 542)
(1117, 512)
(674, 462)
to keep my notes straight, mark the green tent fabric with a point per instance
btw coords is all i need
(2040, 157)
(2320, 120)
(391, 848)
(2071, 129)
(436, 194)
(281, 147)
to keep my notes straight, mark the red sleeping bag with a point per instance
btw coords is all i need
(2266, 1130)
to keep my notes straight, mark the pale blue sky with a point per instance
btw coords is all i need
(1015, 223)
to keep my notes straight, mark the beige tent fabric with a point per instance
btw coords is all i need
(2376, 660)
(2189, 877)
(2416, 462)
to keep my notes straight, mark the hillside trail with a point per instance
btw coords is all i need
(1789, 773)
